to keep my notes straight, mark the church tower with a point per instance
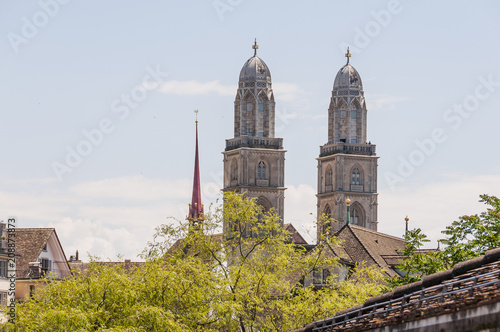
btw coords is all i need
(347, 164)
(254, 160)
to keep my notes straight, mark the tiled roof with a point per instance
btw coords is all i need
(370, 247)
(29, 245)
(468, 285)
(296, 237)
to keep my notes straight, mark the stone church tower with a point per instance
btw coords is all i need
(347, 164)
(254, 160)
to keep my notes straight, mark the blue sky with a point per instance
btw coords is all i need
(119, 80)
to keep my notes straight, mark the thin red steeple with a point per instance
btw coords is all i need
(195, 215)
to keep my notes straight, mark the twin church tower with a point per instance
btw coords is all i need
(254, 160)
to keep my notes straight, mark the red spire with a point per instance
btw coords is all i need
(195, 215)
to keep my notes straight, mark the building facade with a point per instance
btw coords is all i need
(347, 164)
(254, 160)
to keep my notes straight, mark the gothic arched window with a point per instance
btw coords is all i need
(261, 171)
(355, 176)
(356, 216)
(329, 176)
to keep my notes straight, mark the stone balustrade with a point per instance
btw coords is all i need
(254, 142)
(347, 148)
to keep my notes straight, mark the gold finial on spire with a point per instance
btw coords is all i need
(348, 55)
(255, 47)
(196, 114)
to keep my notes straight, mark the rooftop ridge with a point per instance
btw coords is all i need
(375, 232)
(363, 245)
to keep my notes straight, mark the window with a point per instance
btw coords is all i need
(329, 176)
(3, 299)
(353, 114)
(326, 274)
(261, 171)
(355, 176)
(342, 114)
(353, 140)
(3, 268)
(261, 107)
(355, 216)
(317, 277)
(46, 264)
(320, 276)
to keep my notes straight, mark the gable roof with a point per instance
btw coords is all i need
(371, 247)
(296, 237)
(29, 245)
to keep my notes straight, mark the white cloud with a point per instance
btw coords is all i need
(134, 188)
(284, 92)
(287, 92)
(194, 88)
(434, 206)
(300, 210)
(382, 101)
(106, 217)
(118, 216)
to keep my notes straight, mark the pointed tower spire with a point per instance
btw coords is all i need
(195, 215)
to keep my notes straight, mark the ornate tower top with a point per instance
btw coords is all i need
(255, 69)
(347, 77)
(195, 216)
(254, 113)
(347, 111)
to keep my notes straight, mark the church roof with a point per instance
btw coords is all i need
(348, 78)
(373, 248)
(255, 69)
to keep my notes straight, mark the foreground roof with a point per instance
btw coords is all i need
(464, 298)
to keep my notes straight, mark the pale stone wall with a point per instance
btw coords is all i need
(244, 177)
(363, 195)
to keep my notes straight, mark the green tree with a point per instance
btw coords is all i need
(196, 280)
(468, 237)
